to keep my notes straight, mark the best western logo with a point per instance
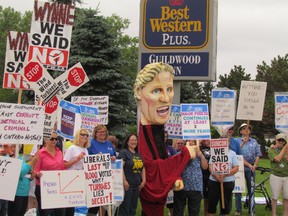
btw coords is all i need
(175, 24)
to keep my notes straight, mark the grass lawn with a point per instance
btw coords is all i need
(260, 209)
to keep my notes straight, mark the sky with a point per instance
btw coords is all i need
(249, 31)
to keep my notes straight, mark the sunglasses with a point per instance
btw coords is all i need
(281, 140)
(53, 139)
(81, 134)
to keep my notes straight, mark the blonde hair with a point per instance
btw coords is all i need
(148, 73)
(77, 138)
(97, 128)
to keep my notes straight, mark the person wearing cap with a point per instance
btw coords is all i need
(251, 153)
(279, 173)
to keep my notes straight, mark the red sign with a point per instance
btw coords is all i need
(33, 71)
(52, 105)
(76, 76)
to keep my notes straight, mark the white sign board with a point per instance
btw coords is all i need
(65, 188)
(99, 181)
(117, 175)
(219, 160)
(281, 112)
(251, 100)
(9, 176)
(21, 123)
(240, 186)
(174, 126)
(195, 121)
(99, 102)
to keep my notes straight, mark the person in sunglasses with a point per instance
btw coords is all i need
(49, 158)
(74, 155)
(279, 173)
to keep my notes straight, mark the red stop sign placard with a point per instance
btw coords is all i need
(76, 76)
(33, 71)
(52, 105)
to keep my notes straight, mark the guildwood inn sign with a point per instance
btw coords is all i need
(180, 33)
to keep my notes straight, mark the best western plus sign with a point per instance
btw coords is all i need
(33, 71)
(76, 76)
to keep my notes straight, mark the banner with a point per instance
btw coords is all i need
(51, 30)
(62, 188)
(195, 121)
(21, 123)
(99, 102)
(9, 176)
(219, 149)
(99, 181)
(15, 59)
(174, 124)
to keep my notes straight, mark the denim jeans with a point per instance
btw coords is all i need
(238, 196)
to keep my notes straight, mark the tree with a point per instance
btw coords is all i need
(94, 46)
(191, 92)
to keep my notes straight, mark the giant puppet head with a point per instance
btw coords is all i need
(153, 91)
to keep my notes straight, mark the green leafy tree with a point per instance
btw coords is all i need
(191, 92)
(94, 46)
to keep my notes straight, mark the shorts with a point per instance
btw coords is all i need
(278, 185)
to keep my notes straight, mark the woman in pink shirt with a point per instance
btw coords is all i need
(50, 158)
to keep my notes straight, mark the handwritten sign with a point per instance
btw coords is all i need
(69, 119)
(281, 112)
(219, 156)
(98, 175)
(21, 123)
(9, 176)
(251, 100)
(89, 118)
(195, 121)
(64, 188)
(174, 126)
(15, 58)
(99, 102)
(240, 184)
(51, 30)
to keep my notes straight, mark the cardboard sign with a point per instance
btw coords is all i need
(99, 102)
(65, 188)
(195, 121)
(251, 100)
(15, 59)
(281, 112)
(51, 30)
(240, 183)
(174, 124)
(21, 123)
(9, 176)
(99, 181)
(219, 160)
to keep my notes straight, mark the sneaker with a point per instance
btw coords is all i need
(237, 213)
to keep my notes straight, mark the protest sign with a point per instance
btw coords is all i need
(51, 30)
(117, 176)
(71, 80)
(9, 176)
(69, 119)
(281, 112)
(40, 80)
(21, 123)
(195, 121)
(219, 156)
(174, 126)
(251, 100)
(240, 184)
(99, 182)
(100, 102)
(15, 59)
(65, 188)
(170, 197)
(89, 118)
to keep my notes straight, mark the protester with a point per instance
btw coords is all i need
(114, 141)
(74, 155)
(205, 149)
(153, 91)
(100, 144)
(193, 186)
(133, 177)
(251, 153)
(279, 173)
(214, 185)
(50, 158)
(178, 144)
